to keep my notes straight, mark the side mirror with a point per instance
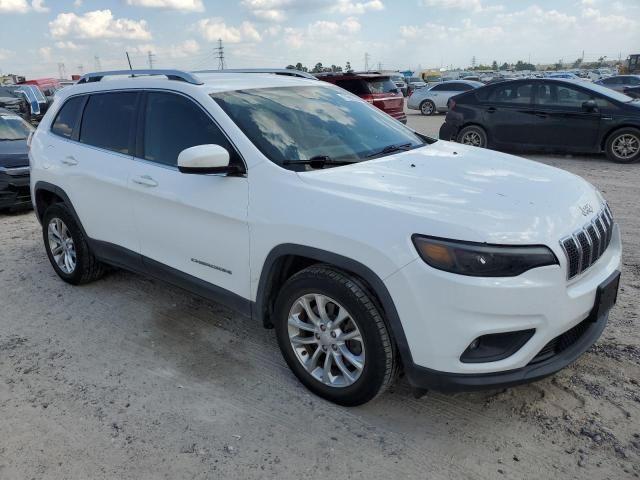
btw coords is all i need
(204, 159)
(590, 106)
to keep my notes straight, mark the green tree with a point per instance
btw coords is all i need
(318, 68)
(520, 66)
(577, 63)
(347, 67)
(494, 65)
(559, 65)
(290, 67)
(504, 66)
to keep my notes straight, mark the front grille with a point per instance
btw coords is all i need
(585, 246)
(562, 342)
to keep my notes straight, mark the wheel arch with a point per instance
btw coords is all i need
(612, 130)
(287, 259)
(473, 123)
(47, 194)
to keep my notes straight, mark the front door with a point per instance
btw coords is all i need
(196, 224)
(569, 124)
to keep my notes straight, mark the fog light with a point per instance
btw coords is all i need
(496, 346)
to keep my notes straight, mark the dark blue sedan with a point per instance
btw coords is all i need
(14, 161)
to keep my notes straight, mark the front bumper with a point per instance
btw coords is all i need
(14, 188)
(442, 313)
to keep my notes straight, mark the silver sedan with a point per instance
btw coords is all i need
(435, 98)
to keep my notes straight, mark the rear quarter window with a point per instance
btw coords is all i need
(67, 117)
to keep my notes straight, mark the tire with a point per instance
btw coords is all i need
(86, 268)
(623, 146)
(344, 297)
(473, 135)
(427, 108)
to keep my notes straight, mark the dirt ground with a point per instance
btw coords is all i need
(128, 378)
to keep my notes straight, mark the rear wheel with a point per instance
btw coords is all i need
(66, 247)
(427, 107)
(473, 135)
(333, 337)
(623, 146)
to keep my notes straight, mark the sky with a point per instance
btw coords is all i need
(36, 36)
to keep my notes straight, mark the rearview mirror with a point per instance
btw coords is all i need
(590, 106)
(203, 159)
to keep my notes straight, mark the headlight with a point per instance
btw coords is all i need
(482, 259)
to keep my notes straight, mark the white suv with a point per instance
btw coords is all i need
(370, 248)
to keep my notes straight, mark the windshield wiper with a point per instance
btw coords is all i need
(319, 161)
(394, 147)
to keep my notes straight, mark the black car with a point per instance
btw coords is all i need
(14, 101)
(14, 161)
(633, 92)
(547, 115)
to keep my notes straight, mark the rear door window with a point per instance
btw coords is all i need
(509, 94)
(67, 117)
(442, 88)
(108, 120)
(561, 96)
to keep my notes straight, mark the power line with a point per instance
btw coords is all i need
(366, 61)
(62, 71)
(219, 50)
(97, 62)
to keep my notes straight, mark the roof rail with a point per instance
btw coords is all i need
(178, 75)
(276, 71)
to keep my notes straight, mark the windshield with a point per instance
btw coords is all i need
(297, 124)
(607, 92)
(13, 127)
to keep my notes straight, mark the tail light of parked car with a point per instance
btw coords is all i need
(368, 98)
(451, 104)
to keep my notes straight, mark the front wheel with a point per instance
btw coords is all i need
(623, 146)
(66, 247)
(332, 336)
(473, 135)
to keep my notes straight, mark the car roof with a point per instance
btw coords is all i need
(207, 82)
(473, 83)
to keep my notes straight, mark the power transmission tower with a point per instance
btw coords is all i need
(219, 50)
(150, 57)
(97, 62)
(62, 71)
(366, 62)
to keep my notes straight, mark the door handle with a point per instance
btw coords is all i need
(491, 110)
(146, 181)
(541, 115)
(69, 161)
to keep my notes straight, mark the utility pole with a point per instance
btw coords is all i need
(219, 51)
(62, 71)
(97, 62)
(150, 58)
(366, 62)
(379, 66)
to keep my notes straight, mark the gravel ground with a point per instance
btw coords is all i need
(128, 378)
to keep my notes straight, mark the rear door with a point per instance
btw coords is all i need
(508, 115)
(196, 224)
(93, 161)
(568, 125)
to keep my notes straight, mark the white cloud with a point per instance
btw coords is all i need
(68, 45)
(184, 5)
(184, 49)
(5, 54)
(77, 3)
(212, 29)
(347, 7)
(322, 32)
(98, 24)
(609, 23)
(467, 5)
(45, 53)
(22, 6)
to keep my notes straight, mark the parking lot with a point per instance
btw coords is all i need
(130, 378)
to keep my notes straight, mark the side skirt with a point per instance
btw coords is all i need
(137, 263)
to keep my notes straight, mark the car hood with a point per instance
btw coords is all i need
(14, 153)
(455, 191)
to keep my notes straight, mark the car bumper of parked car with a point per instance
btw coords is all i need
(443, 314)
(14, 188)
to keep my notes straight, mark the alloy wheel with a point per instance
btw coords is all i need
(61, 245)
(427, 108)
(625, 146)
(472, 138)
(326, 340)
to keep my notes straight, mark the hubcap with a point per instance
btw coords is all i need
(326, 340)
(626, 146)
(472, 138)
(61, 245)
